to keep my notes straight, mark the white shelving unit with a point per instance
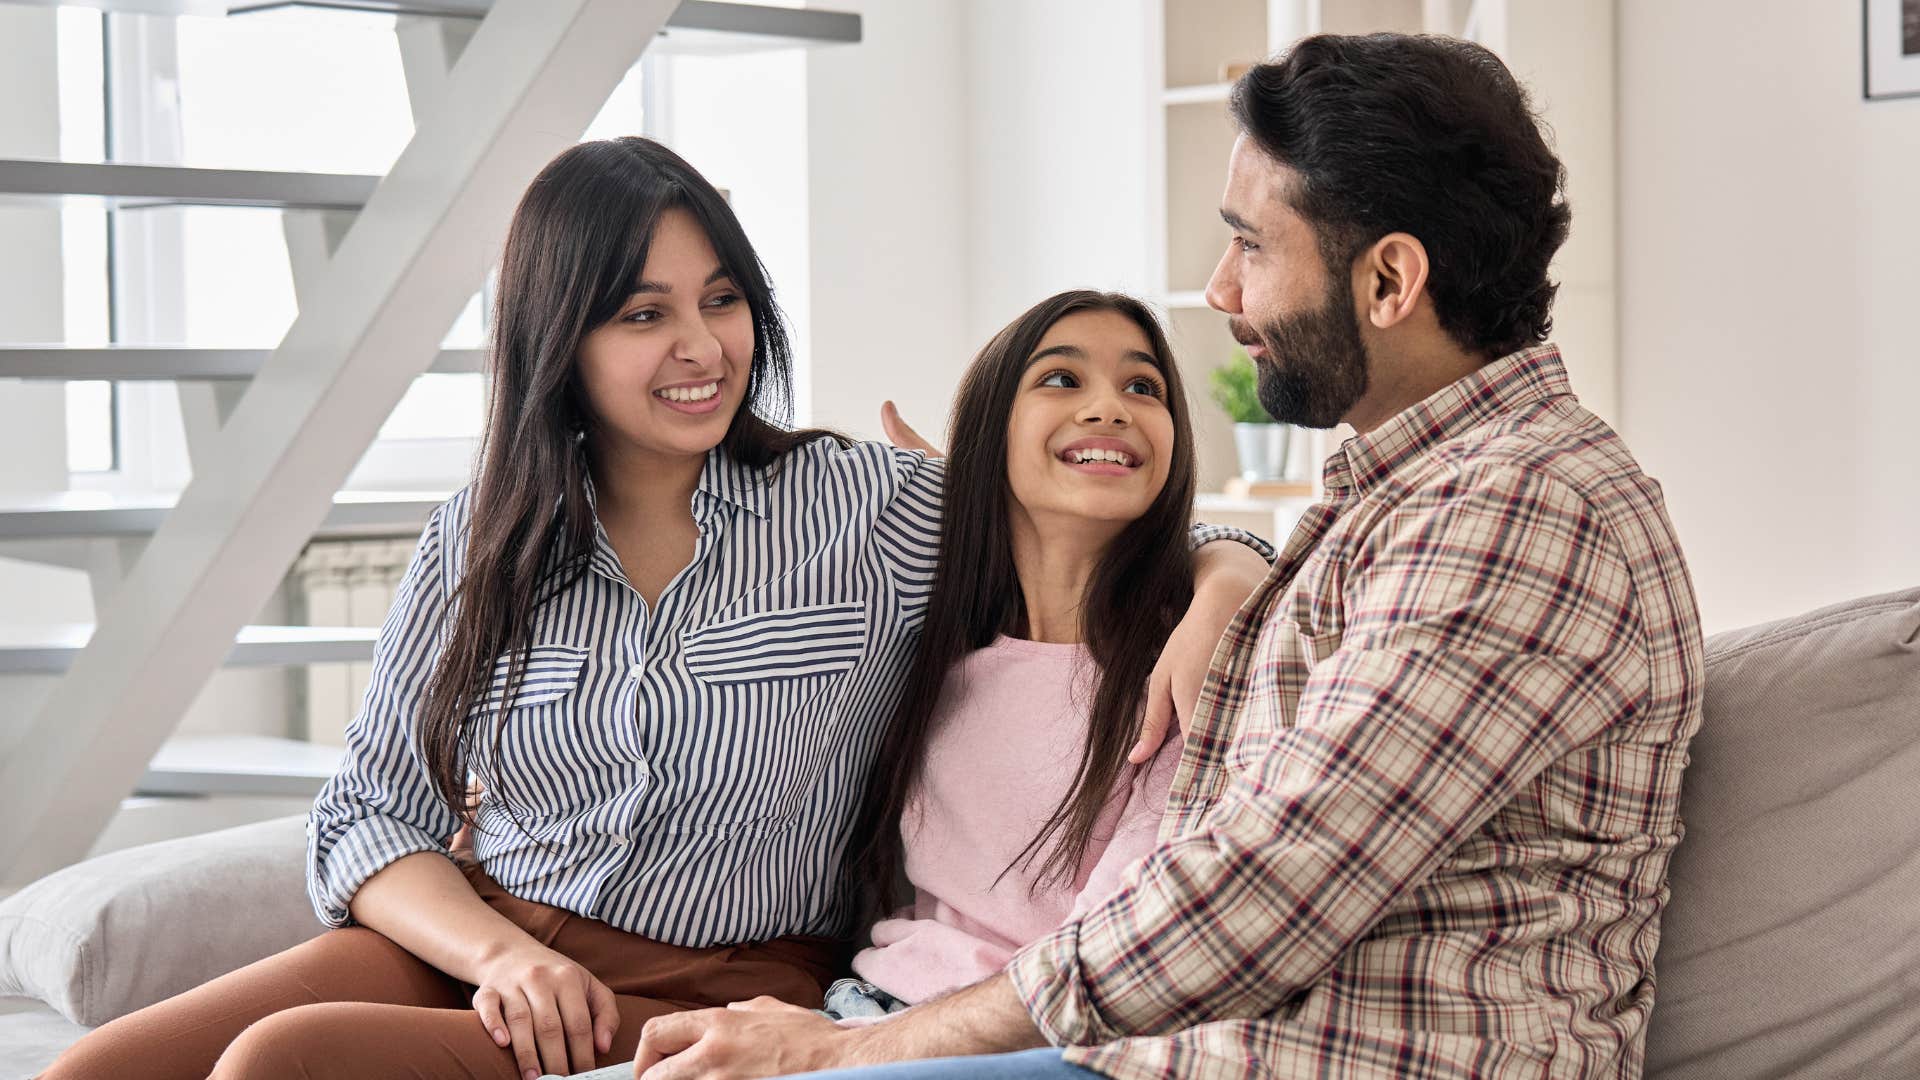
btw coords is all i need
(1201, 40)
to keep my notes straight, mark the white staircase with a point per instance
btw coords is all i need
(173, 363)
(382, 267)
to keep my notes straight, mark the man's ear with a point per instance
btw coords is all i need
(1394, 270)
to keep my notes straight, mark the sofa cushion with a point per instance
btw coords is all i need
(120, 932)
(1792, 943)
(31, 1036)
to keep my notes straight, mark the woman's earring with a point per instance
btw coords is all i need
(579, 435)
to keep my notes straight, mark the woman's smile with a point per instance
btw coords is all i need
(697, 398)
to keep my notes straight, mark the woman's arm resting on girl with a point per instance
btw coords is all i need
(1225, 573)
(1228, 565)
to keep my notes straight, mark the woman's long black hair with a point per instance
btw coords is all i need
(577, 244)
(1139, 591)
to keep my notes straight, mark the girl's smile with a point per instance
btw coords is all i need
(1102, 457)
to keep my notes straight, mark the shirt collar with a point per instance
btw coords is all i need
(726, 478)
(722, 478)
(1512, 382)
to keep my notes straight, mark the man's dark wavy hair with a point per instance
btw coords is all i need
(1430, 136)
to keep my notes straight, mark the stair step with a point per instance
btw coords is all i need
(176, 362)
(73, 514)
(708, 26)
(173, 185)
(239, 765)
(697, 26)
(51, 649)
(149, 819)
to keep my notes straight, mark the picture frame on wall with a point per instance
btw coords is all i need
(1892, 59)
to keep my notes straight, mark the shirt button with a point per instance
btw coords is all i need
(635, 672)
(620, 841)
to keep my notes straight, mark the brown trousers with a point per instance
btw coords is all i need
(352, 1004)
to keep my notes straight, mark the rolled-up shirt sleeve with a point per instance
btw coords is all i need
(906, 534)
(1490, 629)
(381, 806)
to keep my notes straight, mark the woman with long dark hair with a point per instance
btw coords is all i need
(662, 631)
(1009, 799)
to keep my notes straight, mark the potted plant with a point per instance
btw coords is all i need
(1262, 444)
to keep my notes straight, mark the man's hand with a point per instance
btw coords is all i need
(765, 1037)
(902, 436)
(762, 1037)
(1225, 574)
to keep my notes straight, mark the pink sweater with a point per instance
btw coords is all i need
(1007, 738)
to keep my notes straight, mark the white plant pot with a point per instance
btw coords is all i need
(1263, 451)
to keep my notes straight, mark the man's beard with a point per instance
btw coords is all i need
(1316, 366)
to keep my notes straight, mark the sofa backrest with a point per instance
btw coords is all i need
(1791, 947)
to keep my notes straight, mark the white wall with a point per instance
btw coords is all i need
(1565, 55)
(887, 170)
(1770, 266)
(1060, 95)
(966, 159)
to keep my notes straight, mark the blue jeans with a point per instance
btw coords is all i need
(1026, 1065)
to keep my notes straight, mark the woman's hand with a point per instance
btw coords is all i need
(552, 1011)
(902, 436)
(1225, 574)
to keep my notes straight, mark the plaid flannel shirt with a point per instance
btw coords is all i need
(1422, 823)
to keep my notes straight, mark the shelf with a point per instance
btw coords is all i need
(696, 26)
(170, 185)
(1203, 94)
(706, 27)
(239, 765)
(1218, 503)
(50, 650)
(131, 362)
(80, 514)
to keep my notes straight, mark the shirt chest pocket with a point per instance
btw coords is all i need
(1317, 623)
(527, 724)
(548, 673)
(787, 643)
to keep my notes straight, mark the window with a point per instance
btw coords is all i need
(308, 90)
(92, 407)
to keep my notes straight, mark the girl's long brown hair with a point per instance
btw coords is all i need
(1140, 590)
(577, 244)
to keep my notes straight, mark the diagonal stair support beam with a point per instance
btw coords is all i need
(531, 80)
(312, 238)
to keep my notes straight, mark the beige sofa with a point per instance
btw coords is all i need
(1791, 947)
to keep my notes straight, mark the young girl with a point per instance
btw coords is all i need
(663, 631)
(1009, 802)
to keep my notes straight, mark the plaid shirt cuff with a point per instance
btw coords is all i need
(1047, 976)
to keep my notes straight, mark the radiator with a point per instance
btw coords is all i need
(342, 583)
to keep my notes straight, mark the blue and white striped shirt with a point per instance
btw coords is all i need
(689, 773)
